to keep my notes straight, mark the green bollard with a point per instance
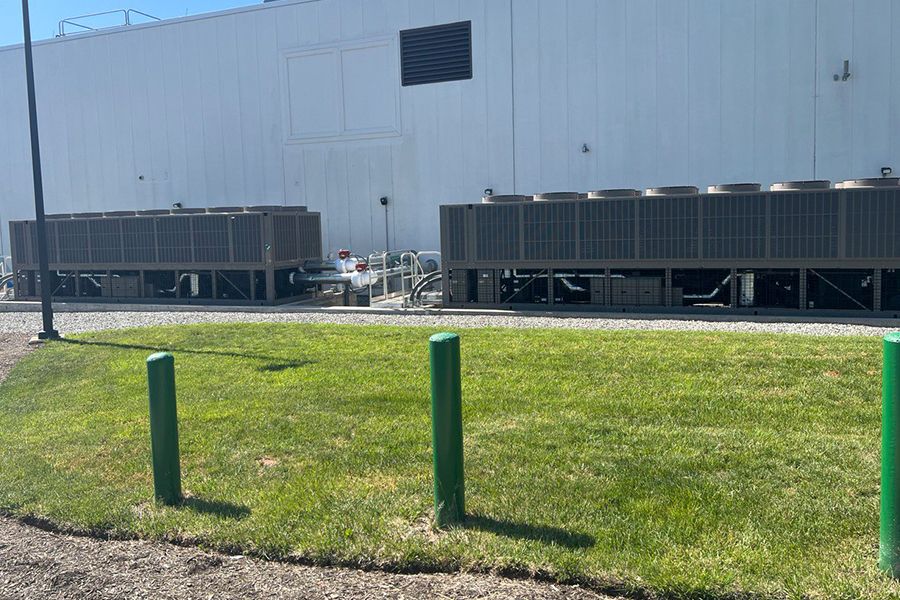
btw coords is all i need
(889, 552)
(446, 429)
(164, 428)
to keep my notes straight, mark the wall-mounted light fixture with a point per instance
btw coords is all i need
(886, 171)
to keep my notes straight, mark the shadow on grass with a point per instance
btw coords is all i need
(274, 363)
(525, 531)
(227, 510)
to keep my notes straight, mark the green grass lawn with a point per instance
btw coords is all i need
(677, 464)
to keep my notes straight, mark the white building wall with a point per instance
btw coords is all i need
(205, 110)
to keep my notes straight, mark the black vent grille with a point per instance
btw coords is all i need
(607, 229)
(285, 237)
(549, 230)
(174, 238)
(436, 54)
(247, 238)
(140, 240)
(310, 236)
(106, 241)
(498, 232)
(210, 239)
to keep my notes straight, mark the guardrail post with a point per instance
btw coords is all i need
(889, 551)
(446, 429)
(164, 428)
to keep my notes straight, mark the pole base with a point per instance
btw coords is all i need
(43, 336)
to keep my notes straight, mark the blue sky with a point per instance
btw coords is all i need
(46, 14)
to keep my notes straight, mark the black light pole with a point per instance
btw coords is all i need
(48, 332)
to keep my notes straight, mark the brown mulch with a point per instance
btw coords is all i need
(35, 563)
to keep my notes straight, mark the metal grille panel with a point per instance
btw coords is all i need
(106, 241)
(310, 232)
(607, 229)
(285, 227)
(247, 238)
(803, 225)
(549, 230)
(734, 226)
(668, 228)
(210, 239)
(454, 233)
(498, 232)
(437, 53)
(74, 242)
(873, 223)
(173, 235)
(139, 237)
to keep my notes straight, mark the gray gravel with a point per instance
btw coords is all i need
(76, 322)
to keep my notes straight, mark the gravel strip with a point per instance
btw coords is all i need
(76, 322)
(38, 564)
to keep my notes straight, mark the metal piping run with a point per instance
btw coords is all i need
(710, 295)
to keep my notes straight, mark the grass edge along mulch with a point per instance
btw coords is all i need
(489, 354)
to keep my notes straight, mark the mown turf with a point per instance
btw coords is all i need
(676, 464)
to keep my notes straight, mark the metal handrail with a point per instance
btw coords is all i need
(126, 13)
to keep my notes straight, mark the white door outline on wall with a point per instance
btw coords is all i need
(350, 99)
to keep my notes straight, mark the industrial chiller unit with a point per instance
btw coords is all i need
(229, 255)
(798, 246)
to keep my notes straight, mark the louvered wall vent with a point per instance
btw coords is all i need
(435, 54)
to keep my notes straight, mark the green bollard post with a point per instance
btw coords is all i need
(446, 429)
(889, 551)
(164, 428)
